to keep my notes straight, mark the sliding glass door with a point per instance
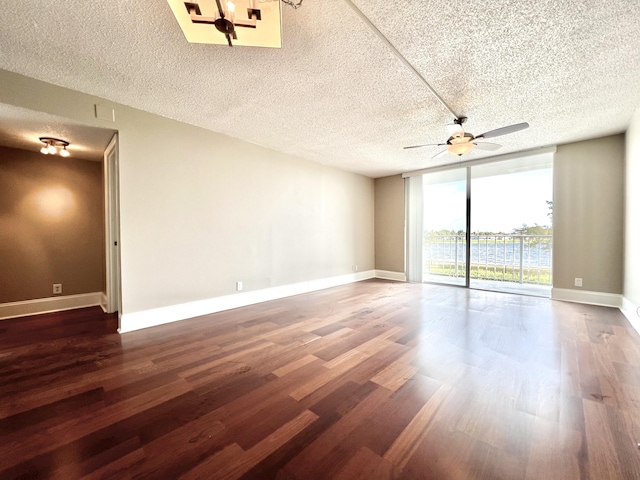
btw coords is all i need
(445, 226)
(486, 226)
(511, 226)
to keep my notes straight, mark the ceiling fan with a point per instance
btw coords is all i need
(460, 142)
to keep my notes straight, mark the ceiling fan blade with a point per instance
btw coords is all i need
(487, 146)
(441, 154)
(455, 130)
(425, 145)
(504, 130)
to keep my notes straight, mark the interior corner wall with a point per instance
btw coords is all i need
(632, 213)
(588, 215)
(389, 223)
(51, 225)
(200, 211)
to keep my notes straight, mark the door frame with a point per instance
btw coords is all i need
(412, 203)
(113, 289)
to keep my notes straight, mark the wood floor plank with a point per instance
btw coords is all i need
(118, 469)
(89, 422)
(336, 369)
(232, 456)
(375, 379)
(603, 459)
(366, 465)
(250, 428)
(555, 452)
(395, 375)
(406, 444)
(317, 457)
(483, 458)
(290, 367)
(232, 465)
(179, 451)
(115, 462)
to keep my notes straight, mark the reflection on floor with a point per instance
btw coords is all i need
(493, 286)
(371, 380)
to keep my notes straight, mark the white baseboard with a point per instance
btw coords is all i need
(389, 275)
(592, 298)
(159, 316)
(632, 312)
(103, 302)
(48, 305)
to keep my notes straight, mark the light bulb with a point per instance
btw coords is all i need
(64, 152)
(231, 7)
(44, 150)
(52, 149)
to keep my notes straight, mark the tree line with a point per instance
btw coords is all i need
(522, 230)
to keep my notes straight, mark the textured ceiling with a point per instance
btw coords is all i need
(335, 93)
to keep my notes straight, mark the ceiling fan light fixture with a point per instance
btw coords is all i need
(460, 148)
(460, 145)
(460, 142)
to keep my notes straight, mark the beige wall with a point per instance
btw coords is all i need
(51, 225)
(389, 222)
(201, 210)
(632, 213)
(588, 215)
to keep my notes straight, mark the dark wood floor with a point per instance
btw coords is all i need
(374, 380)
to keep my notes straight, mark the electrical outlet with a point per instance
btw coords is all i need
(238, 286)
(57, 288)
(578, 282)
(356, 268)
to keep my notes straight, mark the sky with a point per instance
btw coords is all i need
(499, 203)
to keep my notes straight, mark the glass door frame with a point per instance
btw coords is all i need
(468, 167)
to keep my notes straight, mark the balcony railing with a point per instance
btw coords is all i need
(524, 259)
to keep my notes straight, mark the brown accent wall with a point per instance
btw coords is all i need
(51, 225)
(389, 223)
(588, 214)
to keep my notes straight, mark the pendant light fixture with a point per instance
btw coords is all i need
(255, 23)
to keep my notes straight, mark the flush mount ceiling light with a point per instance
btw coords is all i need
(219, 21)
(53, 146)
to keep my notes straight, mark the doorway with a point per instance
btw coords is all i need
(79, 273)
